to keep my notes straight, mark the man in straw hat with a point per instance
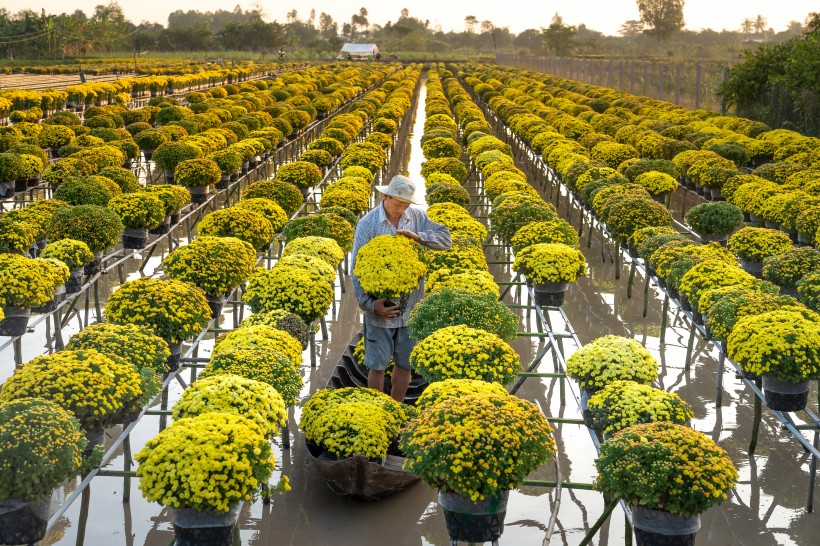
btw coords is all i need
(385, 327)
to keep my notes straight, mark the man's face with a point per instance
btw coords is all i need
(395, 207)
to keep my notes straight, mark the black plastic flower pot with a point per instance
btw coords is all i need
(199, 194)
(751, 267)
(163, 228)
(210, 536)
(176, 353)
(204, 528)
(550, 294)
(585, 413)
(95, 438)
(785, 395)
(469, 521)
(661, 528)
(23, 522)
(224, 182)
(75, 281)
(648, 538)
(94, 267)
(135, 238)
(15, 322)
(216, 303)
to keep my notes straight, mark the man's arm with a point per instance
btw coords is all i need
(433, 235)
(362, 236)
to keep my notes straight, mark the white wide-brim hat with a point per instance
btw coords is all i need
(400, 187)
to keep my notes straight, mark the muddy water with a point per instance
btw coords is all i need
(767, 507)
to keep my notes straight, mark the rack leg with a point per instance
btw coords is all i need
(627, 532)
(83, 520)
(598, 524)
(631, 280)
(758, 416)
(285, 437)
(664, 317)
(719, 397)
(312, 343)
(646, 296)
(126, 466)
(690, 346)
(812, 475)
(58, 330)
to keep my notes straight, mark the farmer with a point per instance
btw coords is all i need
(385, 328)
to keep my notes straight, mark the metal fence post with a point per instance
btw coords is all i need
(722, 98)
(677, 84)
(693, 83)
(609, 80)
(645, 78)
(661, 76)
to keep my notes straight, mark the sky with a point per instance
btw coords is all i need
(602, 15)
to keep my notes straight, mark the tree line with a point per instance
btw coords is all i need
(780, 84)
(658, 33)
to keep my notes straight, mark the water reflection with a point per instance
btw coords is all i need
(766, 508)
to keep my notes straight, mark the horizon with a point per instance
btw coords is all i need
(599, 15)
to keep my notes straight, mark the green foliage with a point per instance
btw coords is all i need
(447, 193)
(808, 289)
(718, 218)
(664, 17)
(451, 306)
(321, 225)
(664, 466)
(779, 84)
(170, 154)
(197, 173)
(98, 227)
(124, 178)
(42, 446)
(285, 194)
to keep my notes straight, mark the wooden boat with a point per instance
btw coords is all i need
(358, 476)
(349, 373)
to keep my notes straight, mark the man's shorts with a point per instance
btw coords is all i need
(382, 343)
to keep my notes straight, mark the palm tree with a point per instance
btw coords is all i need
(760, 24)
(747, 26)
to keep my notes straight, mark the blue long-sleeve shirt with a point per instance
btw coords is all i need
(374, 223)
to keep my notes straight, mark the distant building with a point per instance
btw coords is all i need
(359, 51)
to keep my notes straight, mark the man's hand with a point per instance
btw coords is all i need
(386, 311)
(409, 234)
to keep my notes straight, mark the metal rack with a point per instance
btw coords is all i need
(190, 359)
(787, 421)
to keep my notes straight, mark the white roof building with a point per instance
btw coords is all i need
(358, 51)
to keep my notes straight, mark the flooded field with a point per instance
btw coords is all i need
(768, 507)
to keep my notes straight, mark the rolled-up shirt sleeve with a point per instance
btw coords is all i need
(433, 235)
